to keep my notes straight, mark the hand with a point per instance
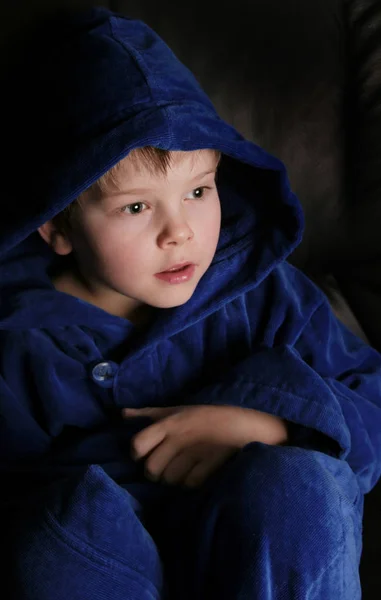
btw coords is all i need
(186, 444)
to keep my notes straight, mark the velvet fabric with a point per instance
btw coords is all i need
(257, 333)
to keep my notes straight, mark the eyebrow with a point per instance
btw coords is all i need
(200, 175)
(141, 191)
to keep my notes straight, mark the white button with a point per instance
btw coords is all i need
(103, 373)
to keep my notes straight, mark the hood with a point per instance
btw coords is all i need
(85, 90)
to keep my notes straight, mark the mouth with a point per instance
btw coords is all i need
(176, 268)
(180, 273)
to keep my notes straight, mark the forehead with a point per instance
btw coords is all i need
(176, 159)
(135, 168)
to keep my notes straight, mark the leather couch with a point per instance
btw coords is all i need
(303, 79)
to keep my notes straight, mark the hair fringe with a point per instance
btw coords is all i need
(155, 160)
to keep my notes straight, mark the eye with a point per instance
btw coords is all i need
(199, 192)
(134, 209)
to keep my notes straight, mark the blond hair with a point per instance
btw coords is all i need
(155, 160)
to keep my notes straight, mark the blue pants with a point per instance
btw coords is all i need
(275, 523)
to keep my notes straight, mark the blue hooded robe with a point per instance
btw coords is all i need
(256, 333)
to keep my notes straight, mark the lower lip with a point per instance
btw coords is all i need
(174, 277)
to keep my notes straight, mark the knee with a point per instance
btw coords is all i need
(299, 498)
(84, 535)
(281, 476)
(290, 514)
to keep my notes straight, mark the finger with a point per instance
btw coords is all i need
(178, 468)
(146, 440)
(204, 468)
(154, 412)
(158, 460)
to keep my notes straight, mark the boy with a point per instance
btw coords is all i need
(181, 414)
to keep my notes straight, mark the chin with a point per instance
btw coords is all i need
(172, 302)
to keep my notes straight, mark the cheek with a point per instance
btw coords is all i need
(118, 254)
(211, 225)
(110, 247)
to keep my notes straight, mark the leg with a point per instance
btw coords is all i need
(275, 523)
(85, 542)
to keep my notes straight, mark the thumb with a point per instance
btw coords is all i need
(155, 413)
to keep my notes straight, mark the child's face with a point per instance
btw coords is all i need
(128, 240)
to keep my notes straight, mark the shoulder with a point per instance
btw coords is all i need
(298, 288)
(281, 306)
(33, 352)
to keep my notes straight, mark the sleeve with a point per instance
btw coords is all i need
(327, 382)
(56, 525)
(23, 445)
(20, 434)
(352, 371)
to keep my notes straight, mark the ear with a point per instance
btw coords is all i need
(58, 241)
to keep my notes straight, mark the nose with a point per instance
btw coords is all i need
(175, 232)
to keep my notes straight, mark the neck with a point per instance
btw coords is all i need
(74, 284)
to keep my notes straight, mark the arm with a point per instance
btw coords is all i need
(323, 381)
(351, 370)
(328, 381)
